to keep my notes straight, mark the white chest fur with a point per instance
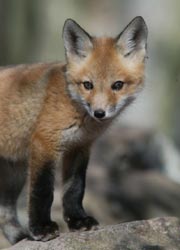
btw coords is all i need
(88, 131)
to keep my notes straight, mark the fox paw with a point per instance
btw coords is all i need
(45, 232)
(82, 224)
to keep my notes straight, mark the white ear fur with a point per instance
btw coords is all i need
(133, 39)
(77, 42)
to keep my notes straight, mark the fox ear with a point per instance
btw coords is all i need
(133, 39)
(77, 42)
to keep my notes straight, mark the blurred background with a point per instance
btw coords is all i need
(135, 167)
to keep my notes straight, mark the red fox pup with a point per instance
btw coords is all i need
(52, 113)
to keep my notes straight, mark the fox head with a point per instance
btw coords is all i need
(105, 74)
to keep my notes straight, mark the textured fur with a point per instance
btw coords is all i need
(46, 115)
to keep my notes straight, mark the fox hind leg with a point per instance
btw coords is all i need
(11, 183)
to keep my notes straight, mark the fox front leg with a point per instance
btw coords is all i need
(41, 197)
(74, 174)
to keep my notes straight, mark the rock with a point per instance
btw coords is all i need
(129, 169)
(155, 234)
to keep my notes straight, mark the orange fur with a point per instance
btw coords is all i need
(52, 113)
(35, 105)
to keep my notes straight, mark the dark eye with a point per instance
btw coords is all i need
(117, 85)
(88, 85)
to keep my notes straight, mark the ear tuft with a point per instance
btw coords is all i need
(133, 38)
(77, 42)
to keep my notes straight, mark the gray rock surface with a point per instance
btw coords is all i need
(155, 234)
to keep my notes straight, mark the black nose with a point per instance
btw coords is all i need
(99, 113)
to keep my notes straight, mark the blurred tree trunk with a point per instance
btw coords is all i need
(4, 32)
(20, 30)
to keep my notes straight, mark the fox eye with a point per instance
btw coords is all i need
(117, 85)
(88, 85)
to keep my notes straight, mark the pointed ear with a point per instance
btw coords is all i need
(77, 42)
(133, 39)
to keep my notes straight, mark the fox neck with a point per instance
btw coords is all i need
(85, 132)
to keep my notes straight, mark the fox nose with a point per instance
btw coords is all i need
(99, 113)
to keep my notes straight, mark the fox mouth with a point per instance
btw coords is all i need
(101, 120)
(100, 115)
(105, 118)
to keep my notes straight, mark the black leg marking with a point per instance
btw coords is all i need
(41, 198)
(74, 177)
(13, 176)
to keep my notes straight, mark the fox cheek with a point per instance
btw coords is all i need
(124, 103)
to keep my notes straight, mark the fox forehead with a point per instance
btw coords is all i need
(105, 63)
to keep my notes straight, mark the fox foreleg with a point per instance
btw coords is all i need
(41, 197)
(74, 175)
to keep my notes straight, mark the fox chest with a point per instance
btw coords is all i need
(79, 135)
(75, 135)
